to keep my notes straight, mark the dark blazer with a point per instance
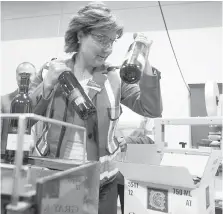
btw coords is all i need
(5, 108)
(107, 92)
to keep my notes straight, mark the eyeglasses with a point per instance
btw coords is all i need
(103, 39)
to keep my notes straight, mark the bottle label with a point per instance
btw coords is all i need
(12, 142)
(76, 96)
(129, 53)
(141, 60)
(79, 100)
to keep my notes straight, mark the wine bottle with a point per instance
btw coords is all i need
(20, 104)
(80, 101)
(135, 60)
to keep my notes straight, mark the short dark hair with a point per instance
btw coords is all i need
(94, 16)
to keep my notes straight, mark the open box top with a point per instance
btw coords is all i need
(177, 168)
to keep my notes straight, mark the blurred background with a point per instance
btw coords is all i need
(33, 31)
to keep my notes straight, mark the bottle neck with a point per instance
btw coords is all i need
(23, 89)
(24, 83)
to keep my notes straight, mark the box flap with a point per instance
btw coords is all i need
(211, 167)
(200, 163)
(165, 175)
(55, 163)
(178, 167)
(143, 153)
(195, 163)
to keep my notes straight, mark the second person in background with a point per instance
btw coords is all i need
(89, 38)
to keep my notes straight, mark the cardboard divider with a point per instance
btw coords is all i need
(165, 175)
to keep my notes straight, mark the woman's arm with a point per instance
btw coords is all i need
(40, 94)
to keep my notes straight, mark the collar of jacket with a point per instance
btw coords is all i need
(99, 76)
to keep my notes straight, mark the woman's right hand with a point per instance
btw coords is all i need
(56, 67)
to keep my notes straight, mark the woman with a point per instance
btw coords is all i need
(90, 37)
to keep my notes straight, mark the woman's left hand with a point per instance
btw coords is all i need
(122, 143)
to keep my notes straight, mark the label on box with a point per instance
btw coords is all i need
(135, 198)
(182, 201)
(152, 200)
(52, 206)
(75, 149)
(141, 198)
(12, 142)
(157, 199)
(64, 196)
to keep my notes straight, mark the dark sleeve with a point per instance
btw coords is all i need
(36, 93)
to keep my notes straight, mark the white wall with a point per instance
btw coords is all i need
(198, 51)
(199, 55)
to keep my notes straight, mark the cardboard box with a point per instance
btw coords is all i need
(169, 186)
(67, 187)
